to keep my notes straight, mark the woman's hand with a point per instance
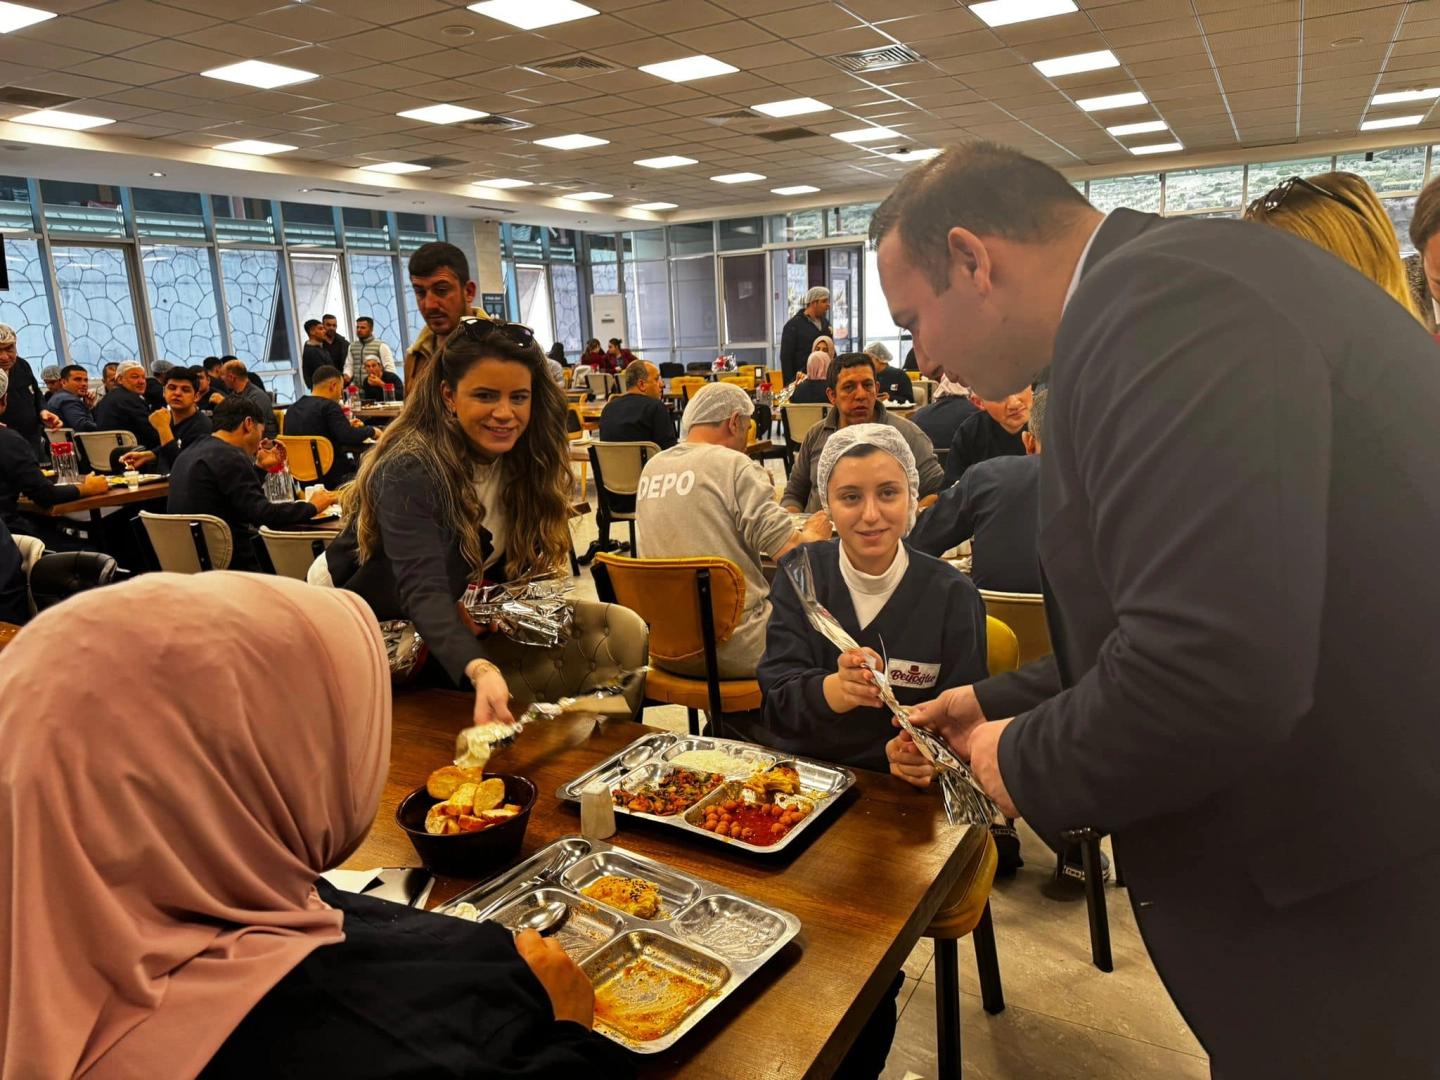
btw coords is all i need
(906, 760)
(492, 695)
(954, 716)
(571, 995)
(853, 685)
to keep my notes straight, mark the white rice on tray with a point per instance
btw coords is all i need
(731, 766)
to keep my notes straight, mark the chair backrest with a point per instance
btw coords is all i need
(745, 382)
(578, 397)
(31, 548)
(921, 389)
(602, 383)
(915, 376)
(618, 465)
(799, 419)
(685, 385)
(754, 371)
(189, 543)
(702, 366)
(1002, 650)
(98, 445)
(670, 369)
(310, 456)
(665, 593)
(60, 434)
(1024, 613)
(569, 373)
(60, 575)
(279, 421)
(777, 379)
(606, 640)
(292, 553)
(574, 422)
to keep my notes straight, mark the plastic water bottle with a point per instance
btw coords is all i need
(67, 468)
(347, 410)
(389, 391)
(279, 486)
(354, 397)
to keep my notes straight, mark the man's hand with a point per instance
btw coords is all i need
(356, 423)
(94, 485)
(985, 764)
(817, 528)
(322, 500)
(853, 685)
(906, 760)
(216, 398)
(571, 995)
(374, 380)
(271, 456)
(136, 458)
(160, 420)
(954, 715)
(89, 398)
(50, 420)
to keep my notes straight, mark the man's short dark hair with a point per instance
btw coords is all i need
(633, 374)
(324, 373)
(429, 259)
(182, 374)
(848, 360)
(231, 413)
(70, 369)
(365, 319)
(211, 363)
(1426, 222)
(227, 358)
(1037, 414)
(327, 315)
(984, 187)
(111, 366)
(310, 325)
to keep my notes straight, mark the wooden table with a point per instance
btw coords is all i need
(377, 416)
(865, 884)
(120, 496)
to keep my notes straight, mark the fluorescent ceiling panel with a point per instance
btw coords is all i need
(1391, 122)
(1157, 148)
(655, 206)
(865, 134)
(1113, 101)
(503, 182)
(1399, 96)
(1139, 129)
(260, 75)
(396, 167)
(530, 14)
(589, 196)
(443, 114)
(674, 161)
(1073, 65)
(738, 178)
(59, 118)
(1005, 12)
(18, 16)
(793, 107)
(254, 146)
(571, 142)
(798, 189)
(690, 68)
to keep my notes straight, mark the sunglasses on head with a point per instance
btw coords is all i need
(479, 330)
(1276, 196)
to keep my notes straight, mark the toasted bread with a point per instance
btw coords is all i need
(445, 781)
(489, 795)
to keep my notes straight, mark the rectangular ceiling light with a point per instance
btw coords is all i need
(1073, 65)
(1399, 96)
(571, 142)
(18, 16)
(1157, 148)
(690, 68)
(798, 189)
(794, 107)
(503, 182)
(443, 114)
(254, 146)
(1112, 101)
(674, 161)
(655, 206)
(865, 134)
(589, 196)
(530, 14)
(1391, 122)
(260, 75)
(738, 178)
(58, 118)
(396, 167)
(1139, 129)
(1005, 12)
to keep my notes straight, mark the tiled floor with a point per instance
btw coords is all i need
(1063, 1017)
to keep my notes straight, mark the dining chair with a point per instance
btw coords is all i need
(189, 543)
(279, 421)
(31, 549)
(61, 574)
(292, 553)
(618, 466)
(99, 447)
(796, 422)
(310, 457)
(1024, 613)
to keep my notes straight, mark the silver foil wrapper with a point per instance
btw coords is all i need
(475, 744)
(965, 800)
(533, 612)
(403, 646)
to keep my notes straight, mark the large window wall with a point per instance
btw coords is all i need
(101, 273)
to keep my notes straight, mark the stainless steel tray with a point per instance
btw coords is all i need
(701, 946)
(821, 785)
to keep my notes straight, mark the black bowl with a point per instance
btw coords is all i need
(468, 855)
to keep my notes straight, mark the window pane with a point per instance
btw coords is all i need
(319, 291)
(1204, 189)
(878, 324)
(98, 305)
(169, 215)
(1221, 214)
(562, 244)
(1402, 212)
(1267, 175)
(1401, 169)
(525, 241)
(534, 295)
(695, 238)
(248, 220)
(744, 297)
(855, 220)
(646, 244)
(252, 308)
(82, 209)
(416, 230)
(413, 322)
(602, 248)
(24, 308)
(844, 298)
(647, 303)
(1135, 192)
(742, 234)
(366, 228)
(372, 287)
(804, 225)
(307, 224)
(181, 292)
(15, 210)
(565, 288)
(695, 302)
(605, 279)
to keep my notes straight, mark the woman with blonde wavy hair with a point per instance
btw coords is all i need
(471, 483)
(1341, 213)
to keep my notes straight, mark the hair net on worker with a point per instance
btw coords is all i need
(51, 372)
(817, 293)
(7, 335)
(882, 437)
(817, 366)
(879, 352)
(160, 367)
(714, 403)
(4, 383)
(126, 365)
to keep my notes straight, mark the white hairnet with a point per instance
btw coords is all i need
(714, 403)
(126, 365)
(51, 372)
(819, 292)
(4, 382)
(7, 335)
(160, 367)
(879, 351)
(882, 437)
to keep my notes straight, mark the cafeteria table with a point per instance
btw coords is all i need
(864, 885)
(120, 496)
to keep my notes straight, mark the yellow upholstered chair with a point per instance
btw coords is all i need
(684, 386)
(915, 376)
(693, 606)
(279, 421)
(1024, 613)
(575, 429)
(310, 456)
(745, 382)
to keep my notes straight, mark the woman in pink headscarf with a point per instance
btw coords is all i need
(811, 388)
(161, 848)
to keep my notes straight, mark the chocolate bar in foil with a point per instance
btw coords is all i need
(533, 612)
(965, 800)
(474, 745)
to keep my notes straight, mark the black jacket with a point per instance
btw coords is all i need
(1246, 645)
(811, 392)
(187, 433)
(932, 630)
(213, 477)
(894, 383)
(941, 419)
(325, 418)
(22, 412)
(377, 393)
(154, 393)
(797, 342)
(14, 591)
(637, 418)
(312, 359)
(998, 503)
(258, 394)
(411, 994)
(20, 475)
(123, 410)
(74, 413)
(980, 438)
(338, 350)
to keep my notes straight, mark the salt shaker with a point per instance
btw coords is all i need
(597, 811)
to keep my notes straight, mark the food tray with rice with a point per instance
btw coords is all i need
(661, 948)
(753, 797)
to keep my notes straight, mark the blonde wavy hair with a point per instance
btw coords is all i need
(537, 477)
(1348, 221)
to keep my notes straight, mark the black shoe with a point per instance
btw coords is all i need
(1072, 866)
(1007, 846)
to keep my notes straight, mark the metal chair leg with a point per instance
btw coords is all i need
(1115, 866)
(694, 715)
(992, 994)
(1095, 904)
(947, 1007)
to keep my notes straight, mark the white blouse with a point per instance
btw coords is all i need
(869, 593)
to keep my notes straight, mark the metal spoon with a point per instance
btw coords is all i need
(542, 918)
(637, 755)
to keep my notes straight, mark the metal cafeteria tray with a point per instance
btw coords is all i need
(648, 757)
(654, 979)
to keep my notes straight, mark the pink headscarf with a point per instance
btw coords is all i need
(818, 366)
(162, 826)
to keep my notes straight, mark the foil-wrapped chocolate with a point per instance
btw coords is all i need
(403, 646)
(966, 802)
(531, 612)
(474, 745)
